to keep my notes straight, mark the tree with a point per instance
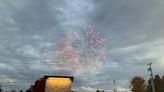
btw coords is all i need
(149, 86)
(138, 84)
(162, 81)
(13, 90)
(1, 90)
(100, 90)
(159, 84)
(28, 90)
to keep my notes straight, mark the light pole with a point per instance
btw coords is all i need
(114, 90)
(151, 75)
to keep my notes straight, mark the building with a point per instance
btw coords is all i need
(53, 84)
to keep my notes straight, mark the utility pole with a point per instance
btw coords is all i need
(114, 89)
(151, 75)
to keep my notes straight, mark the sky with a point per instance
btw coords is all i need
(32, 34)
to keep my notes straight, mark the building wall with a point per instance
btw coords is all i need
(53, 84)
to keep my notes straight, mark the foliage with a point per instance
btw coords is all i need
(1, 88)
(138, 84)
(159, 84)
(13, 90)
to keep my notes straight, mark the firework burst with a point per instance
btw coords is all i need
(84, 50)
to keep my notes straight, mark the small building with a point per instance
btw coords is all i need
(53, 84)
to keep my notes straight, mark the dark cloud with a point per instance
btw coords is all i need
(128, 22)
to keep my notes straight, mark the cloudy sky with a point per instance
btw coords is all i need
(32, 30)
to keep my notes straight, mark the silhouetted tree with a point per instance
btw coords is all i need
(13, 90)
(163, 81)
(149, 86)
(138, 84)
(159, 84)
(1, 90)
(30, 89)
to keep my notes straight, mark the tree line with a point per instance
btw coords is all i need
(139, 84)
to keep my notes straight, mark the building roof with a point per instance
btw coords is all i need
(47, 76)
